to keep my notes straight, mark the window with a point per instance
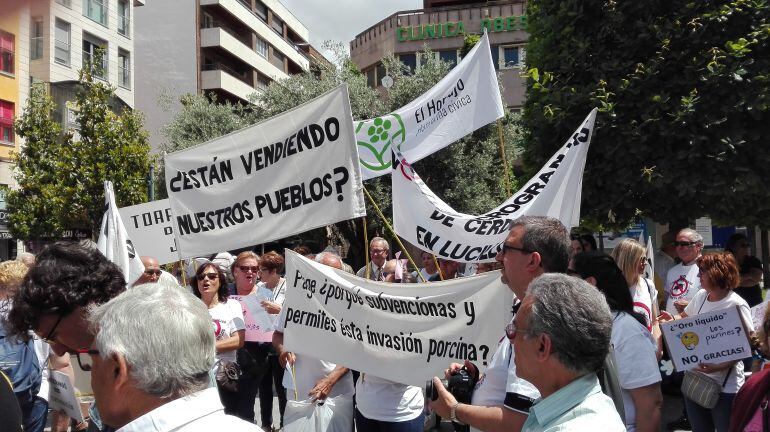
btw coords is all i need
(96, 10)
(262, 82)
(410, 60)
(6, 122)
(260, 10)
(495, 56)
(449, 57)
(261, 47)
(371, 78)
(62, 43)
(93, 48)
(124, 17)
(67, 3)
(380, 72)
(7, 43)
(208, 21)
(124, 69)
(36, 39)
(278, 59)
(277, 25)
(512, 56)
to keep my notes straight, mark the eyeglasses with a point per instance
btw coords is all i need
(209, 276)
(85, 362)
(246, 269)
(379, 251)
(685, 243)
(152, 272)
(49, 338)
(507, 247)
(511, 330)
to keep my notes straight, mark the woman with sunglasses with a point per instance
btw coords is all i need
(633, 345)
(631, 257)
(270, 269)
(210, 285)
(719, 275)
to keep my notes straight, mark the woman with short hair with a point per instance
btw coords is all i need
(719, 275)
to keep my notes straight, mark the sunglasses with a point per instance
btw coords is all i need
(152, 272)
(246, 269)
(209, 276)
(684, 243)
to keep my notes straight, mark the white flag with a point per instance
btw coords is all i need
(466, 99)
(649, 269)
(114, 242)
(423, 219)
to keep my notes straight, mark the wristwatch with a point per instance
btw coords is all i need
(453, 413)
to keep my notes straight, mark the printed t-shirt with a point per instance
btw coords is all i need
(226, 318)
(682, 283)
(388, 401)
(644, 295)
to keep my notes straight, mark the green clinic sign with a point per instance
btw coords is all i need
(457, 28)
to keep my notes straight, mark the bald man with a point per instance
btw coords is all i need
(151, 271)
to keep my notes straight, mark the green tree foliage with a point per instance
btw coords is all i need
(467, 174)
(61, 175)
(683, 90)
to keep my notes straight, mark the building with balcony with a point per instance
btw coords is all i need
(229, 48)
(442, 25)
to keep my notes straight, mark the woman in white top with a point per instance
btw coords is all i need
(632, 343)
(719, 275)
(631, 258)
(210, 285)
(274, 286)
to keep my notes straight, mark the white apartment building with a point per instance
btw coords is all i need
(231, 48)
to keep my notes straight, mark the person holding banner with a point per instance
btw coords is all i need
(633, 345)
(378, 252)
(719, 275)
(429, 268)
(273, 287)
(501, 399)
(210, 285)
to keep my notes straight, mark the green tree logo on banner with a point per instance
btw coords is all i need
(376, 137)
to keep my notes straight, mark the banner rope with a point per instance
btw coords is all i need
(392, 231)
(438, 267)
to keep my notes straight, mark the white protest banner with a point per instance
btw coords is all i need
(649, 269)
(289, 174)
(61, 396)
(406, 333)
(466, 99)
(150, 227)
(259, 324)
(429, 223)
(114, 242)
(709, 337)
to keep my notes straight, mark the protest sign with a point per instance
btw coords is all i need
(289, 174)
(758, 313)
(150, 227)
(429, 223)
(259, 324)
(61, 396)
(114, 242)
(709, 337)
(466, 99)
(406, 333)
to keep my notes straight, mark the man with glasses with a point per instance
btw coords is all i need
(378, 253)
(53, 300)
(151, 273)
(682, 282)
(501, 399)
(560, 337)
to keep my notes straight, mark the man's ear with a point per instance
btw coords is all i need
(120, 371)
(535, 261)
(591, 280)
(544, 347)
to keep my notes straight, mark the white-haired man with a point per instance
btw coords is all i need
(152, 374)
(378, 252)
(682, 282)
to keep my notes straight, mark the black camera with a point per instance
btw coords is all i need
(460, 384)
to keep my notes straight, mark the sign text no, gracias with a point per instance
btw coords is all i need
(291, 173)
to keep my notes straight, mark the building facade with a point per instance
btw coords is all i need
(229, 48)
(442, 26)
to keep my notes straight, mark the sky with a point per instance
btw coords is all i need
(342, 20)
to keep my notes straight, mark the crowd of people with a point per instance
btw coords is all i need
(177, 351)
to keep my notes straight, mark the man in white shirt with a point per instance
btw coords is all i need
(378, 252)
(682, 282)
(501, 400)
(152, 374)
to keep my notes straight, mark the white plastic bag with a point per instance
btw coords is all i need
(331, 415)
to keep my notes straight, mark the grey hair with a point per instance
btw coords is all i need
(575, 316)
(164, 334)
(379, 240)
(326, 254)
(547, 236)
(692, 234)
